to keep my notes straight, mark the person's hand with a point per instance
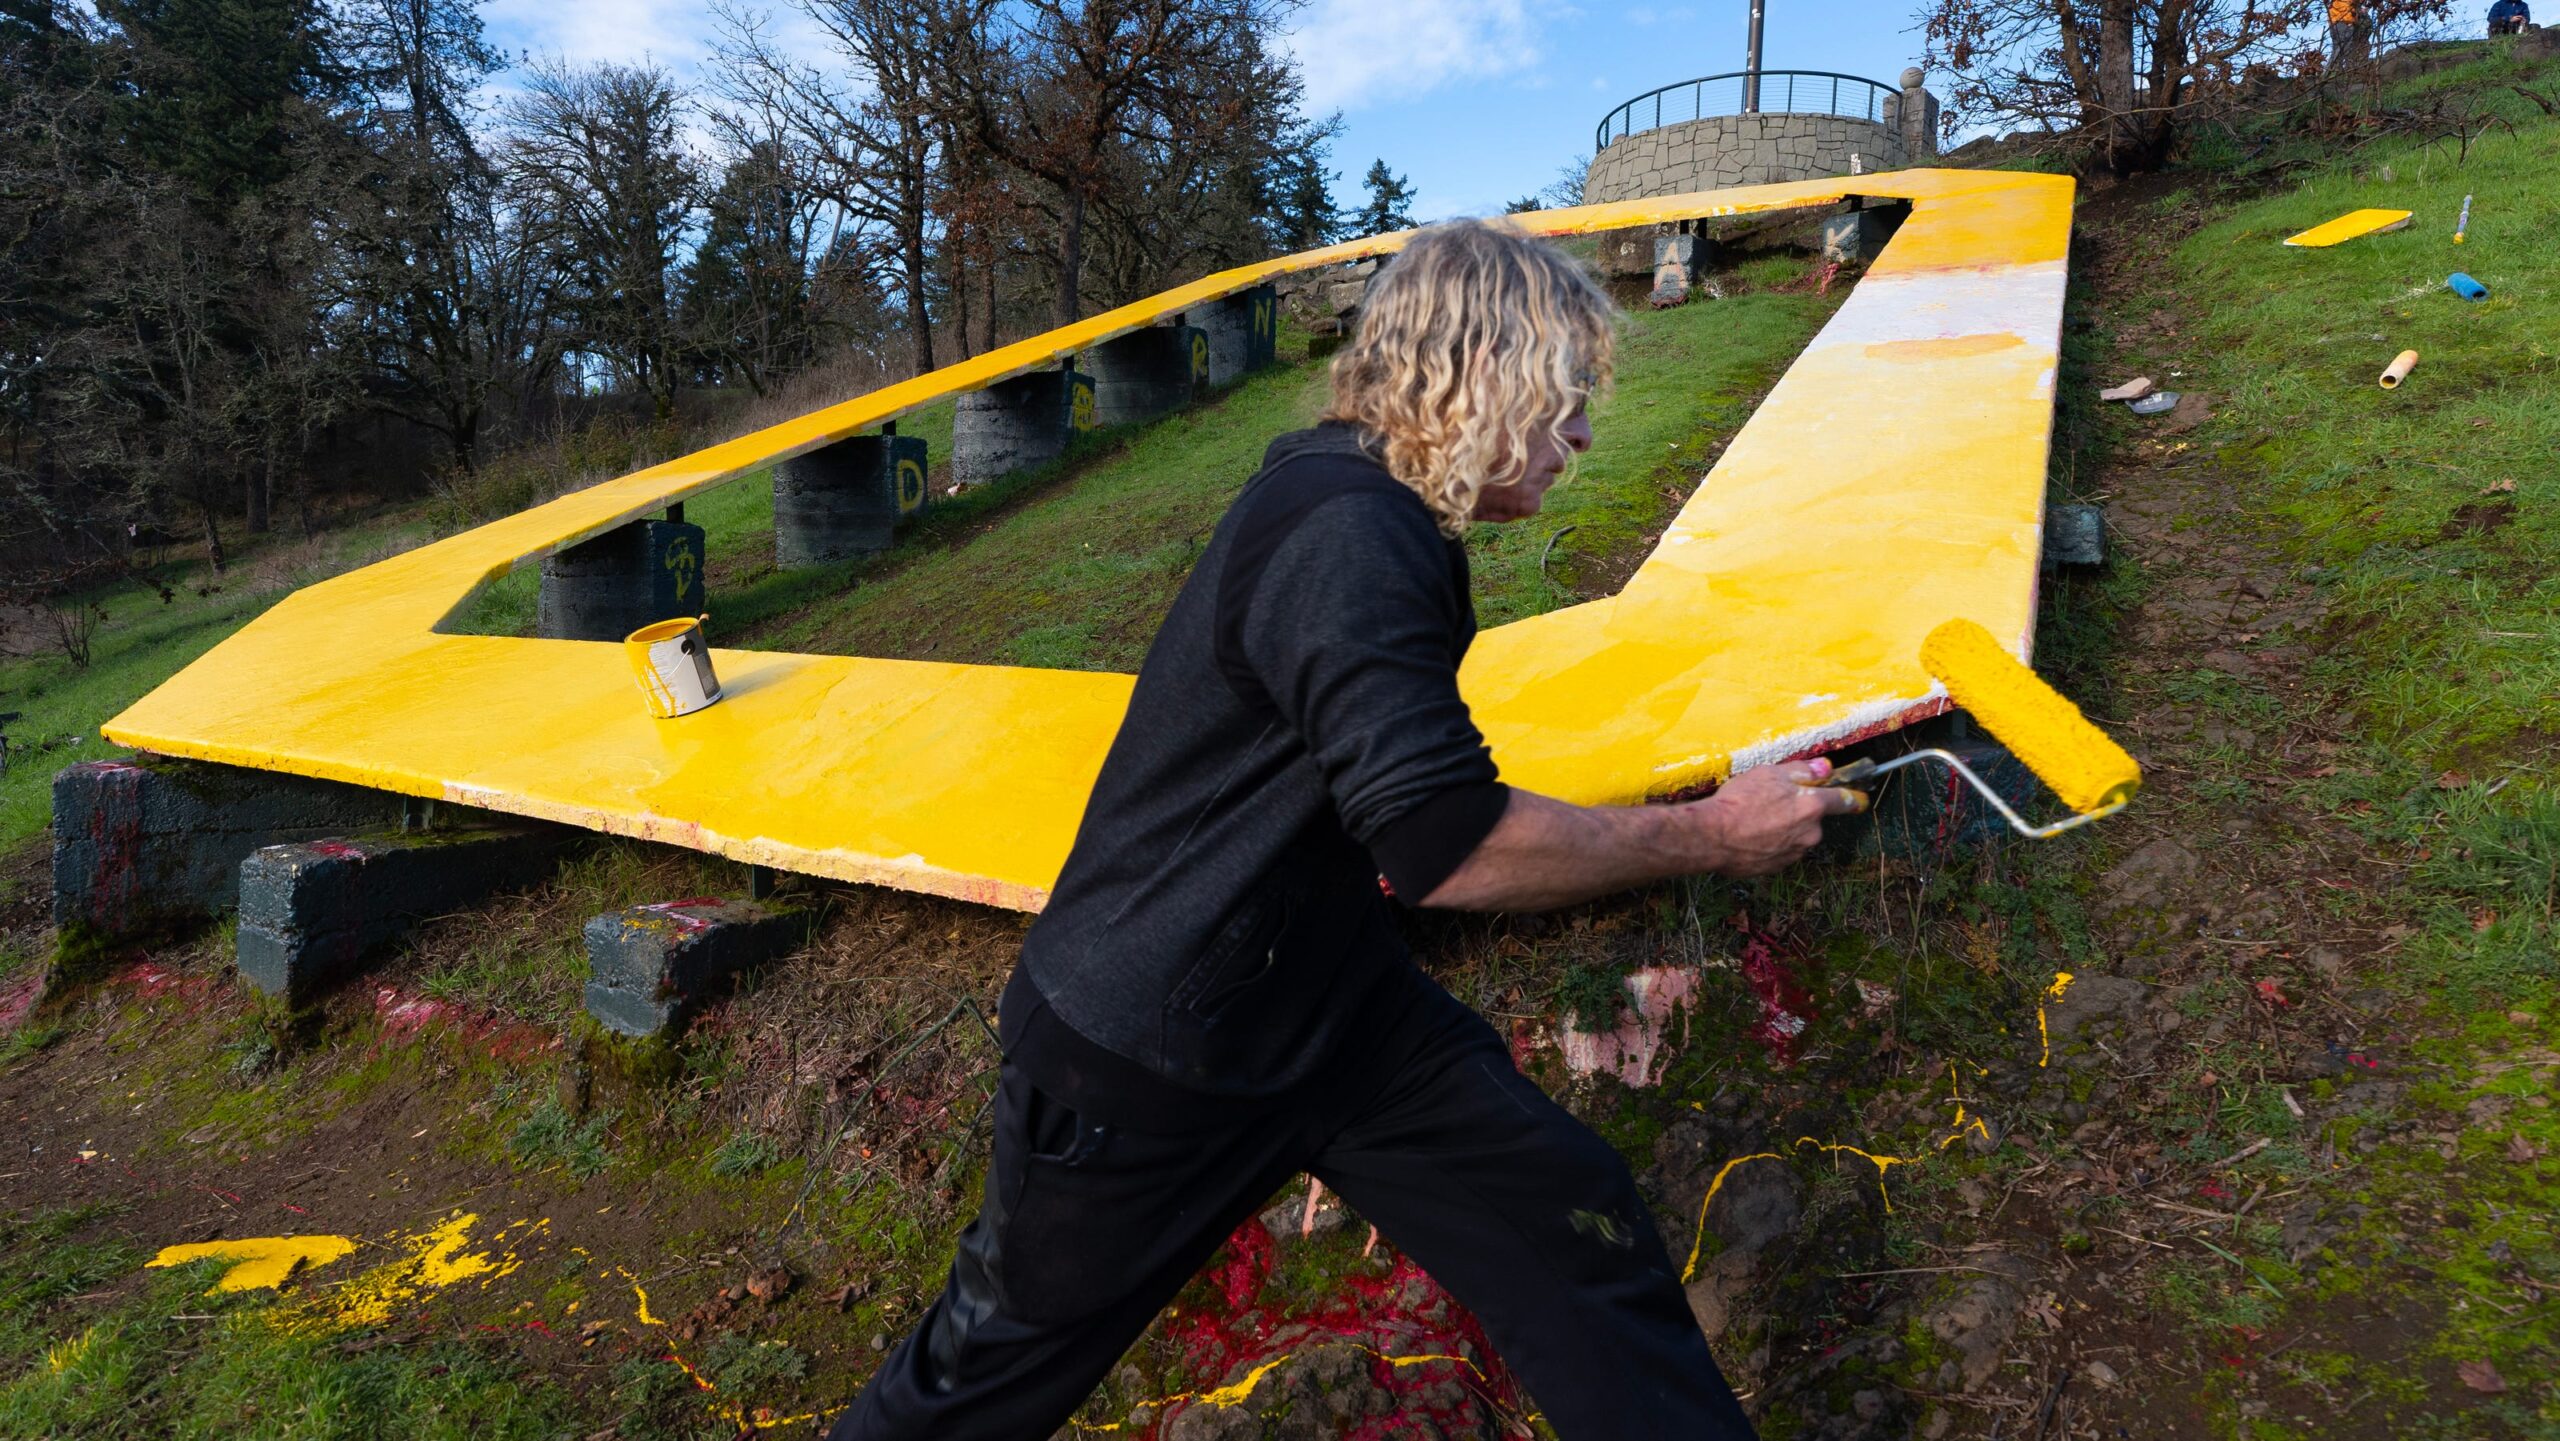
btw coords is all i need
(1766, 819)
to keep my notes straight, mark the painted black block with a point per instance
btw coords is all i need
(608, 587)
(1147, 373)
(152, 841)
(1243, 331)
(847, 499)
(2075, 535)
(1019, 424)
(649, 964)
(311, 913)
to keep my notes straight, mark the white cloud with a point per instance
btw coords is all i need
(1357, 51)
(675, 33)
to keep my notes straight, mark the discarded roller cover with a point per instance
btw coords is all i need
(649, 965)
(311, 913)
(151, 842)
(628, 577)
(846, 499)
(1019, 424)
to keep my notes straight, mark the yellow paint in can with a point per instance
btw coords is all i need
(672, 662)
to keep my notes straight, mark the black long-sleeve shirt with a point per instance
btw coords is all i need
(1218, 934)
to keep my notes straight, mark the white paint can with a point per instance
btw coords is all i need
(671, 660)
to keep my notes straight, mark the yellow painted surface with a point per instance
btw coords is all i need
(259, 1263)
(1893, 479)
(2353, 225)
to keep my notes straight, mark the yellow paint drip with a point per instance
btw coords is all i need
(260, 1263)
(1689, 1272)
(1234, 1394)
(2044, 1038)
(64, 1355)
(1962, 1122)
(432, 1261)
(1881, 1163)
(2040, 725)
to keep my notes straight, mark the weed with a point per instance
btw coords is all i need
(552, 1137)
(744, 1154)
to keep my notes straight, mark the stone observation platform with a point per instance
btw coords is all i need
(1759, 128)
(1892, 479)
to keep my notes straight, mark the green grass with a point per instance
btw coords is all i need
(1079, 576)
(169, 1359)
(2430, 515)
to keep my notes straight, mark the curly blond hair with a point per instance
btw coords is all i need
(1475, 339)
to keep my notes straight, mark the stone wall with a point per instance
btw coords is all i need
(1724, 150)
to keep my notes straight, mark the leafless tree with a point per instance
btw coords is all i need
(599, 177)
(2117, 76)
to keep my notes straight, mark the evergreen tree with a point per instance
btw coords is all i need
(1303, 214)
(214, 88)
(1390, 204)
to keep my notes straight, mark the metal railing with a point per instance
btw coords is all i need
(1779, 92)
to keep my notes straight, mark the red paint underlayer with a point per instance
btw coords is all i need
(1400, 1313)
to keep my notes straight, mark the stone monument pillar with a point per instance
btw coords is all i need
(1919, 116)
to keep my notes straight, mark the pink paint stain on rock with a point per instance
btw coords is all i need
(1655, 994)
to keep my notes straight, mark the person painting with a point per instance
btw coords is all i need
(1215, 998)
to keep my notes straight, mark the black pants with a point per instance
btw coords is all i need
(1523, 1214)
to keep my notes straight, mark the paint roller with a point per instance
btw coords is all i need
(2041, 727)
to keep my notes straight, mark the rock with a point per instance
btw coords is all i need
(1716, 1293)
(2100, 1374)
(1978, 1320)
(2092, 1005)
(1321, 1392)
(1761, 1202)
(2148, 878)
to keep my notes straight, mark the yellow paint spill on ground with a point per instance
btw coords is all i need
(2044, 1038)
(1689, 1272)
(262, 1263)
(431, 1261)
(1881, 1163)
(63, 1356)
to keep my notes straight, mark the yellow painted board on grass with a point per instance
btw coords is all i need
(1893, 479)
(2353, 225)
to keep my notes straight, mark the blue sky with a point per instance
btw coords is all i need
(1475, 101)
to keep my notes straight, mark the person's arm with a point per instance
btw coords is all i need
(1545, 852)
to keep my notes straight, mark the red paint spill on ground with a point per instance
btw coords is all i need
(1402, 1313)
(342, 850)
(19, 997)
(151, 981)
(405, 1015)
(1786, 1008)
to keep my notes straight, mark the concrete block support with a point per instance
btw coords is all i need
(608, 587)
(309, 913)
(847, 499)
(1147, 373)
(153, 841)
(1019, 424)
(1243, 331)
(648, 965)
(1860, 235)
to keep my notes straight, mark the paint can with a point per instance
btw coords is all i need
(671, 660)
